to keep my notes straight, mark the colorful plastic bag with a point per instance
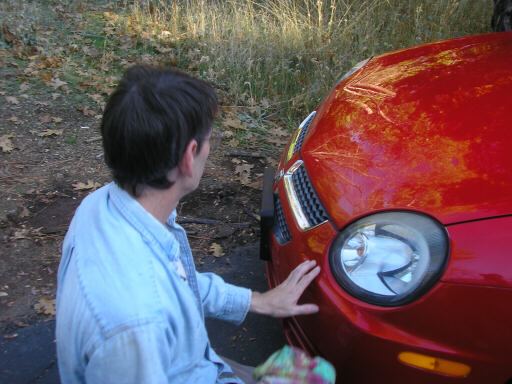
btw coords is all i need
(291, 365)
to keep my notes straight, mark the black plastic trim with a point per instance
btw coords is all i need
(266, 213)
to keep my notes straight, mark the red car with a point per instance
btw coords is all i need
(400, 186)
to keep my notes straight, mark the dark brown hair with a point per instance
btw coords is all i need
(149, 120)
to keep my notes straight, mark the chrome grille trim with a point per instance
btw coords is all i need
(311, 205)
(304, 202)
(303, 127)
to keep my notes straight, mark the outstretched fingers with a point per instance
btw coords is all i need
(306, 309)
(282, 300)
(298, 273)
(306, 279)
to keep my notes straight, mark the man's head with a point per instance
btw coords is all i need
(149, 121)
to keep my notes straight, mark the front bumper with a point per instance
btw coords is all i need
(363, 341)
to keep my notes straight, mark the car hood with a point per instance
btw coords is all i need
(426, 128)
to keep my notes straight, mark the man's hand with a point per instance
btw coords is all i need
(282, 300)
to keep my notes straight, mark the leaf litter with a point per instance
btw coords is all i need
(72, 159)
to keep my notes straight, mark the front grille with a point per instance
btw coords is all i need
(308, 199)
(280, 227)
(303, 132)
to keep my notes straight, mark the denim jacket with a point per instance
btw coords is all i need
(124, 314)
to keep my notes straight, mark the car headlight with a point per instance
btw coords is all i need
(389, 258)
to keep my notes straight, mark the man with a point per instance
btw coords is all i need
(130, 305)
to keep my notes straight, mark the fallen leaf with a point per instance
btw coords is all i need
(233, 143)
(276, 131)
(20, 323)
(161, 49)
(57, 120)
(6, 143)
(7, 35)
(91, 52)
(258, 184)
(27, 233)
(45, 118)
(45, 305)
(50, 132)
(57, 83)
(14, 119)
(87, 112)
(24, 87)
(49, 62)
(86, 83)
(11, 336)
(111, 16)
(128, 43)
(46, 76)
(234, 123)
(21, 234)
(12, 100)
(97, 98)
(244, 173)
(20, 49)
(24, 212)
(79, 186)
(278, 141)
(216, 250)
(105, 89)
(55, 96)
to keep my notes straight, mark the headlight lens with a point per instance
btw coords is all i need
(390, 258)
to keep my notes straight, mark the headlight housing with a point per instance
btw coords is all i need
(390, 258)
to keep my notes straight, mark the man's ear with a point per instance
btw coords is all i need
(186, 164)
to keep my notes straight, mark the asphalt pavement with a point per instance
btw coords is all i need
(30, 358)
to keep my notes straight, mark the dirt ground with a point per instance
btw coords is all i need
(51, 158)
(38, 199)
(39, 193)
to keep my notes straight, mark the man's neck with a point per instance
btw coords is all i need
(160, 203)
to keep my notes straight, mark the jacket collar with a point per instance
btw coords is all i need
(145, 223)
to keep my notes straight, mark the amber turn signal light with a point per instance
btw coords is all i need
(434, 364)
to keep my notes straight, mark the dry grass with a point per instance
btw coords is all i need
(286, 54)
(279, 57)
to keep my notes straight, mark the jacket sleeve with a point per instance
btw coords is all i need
(137, 355)
(222, 300)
